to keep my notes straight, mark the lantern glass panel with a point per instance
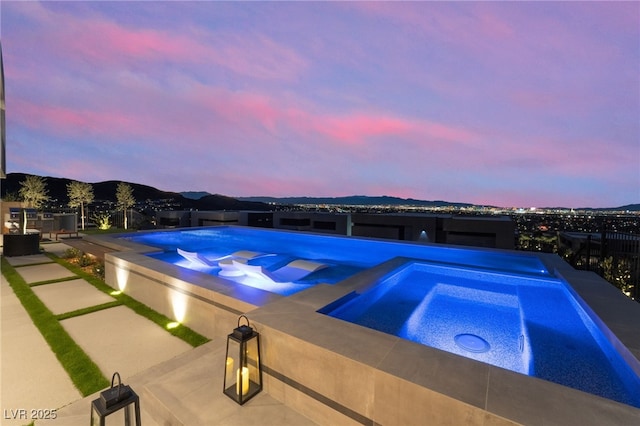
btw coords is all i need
(122, 417)
(231, 366)
(253, 362)
(243, 375)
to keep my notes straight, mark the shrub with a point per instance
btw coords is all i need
(85, 260)
(98, 270)
(72, 253)
(102, 220)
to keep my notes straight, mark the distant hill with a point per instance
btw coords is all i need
(628, 207)
(106, 191)
(194, 195)
(356, 200)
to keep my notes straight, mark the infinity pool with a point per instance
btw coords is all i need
(342, 256)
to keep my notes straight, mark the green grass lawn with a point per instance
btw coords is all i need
(84, 373)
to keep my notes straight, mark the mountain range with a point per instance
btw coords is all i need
(106, 191)
(356, 200)
(201, 200)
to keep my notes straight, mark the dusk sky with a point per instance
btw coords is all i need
(502, 103)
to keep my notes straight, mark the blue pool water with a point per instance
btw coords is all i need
(344, 256)
(531, 325)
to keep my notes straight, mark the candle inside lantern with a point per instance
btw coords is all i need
(244, 379)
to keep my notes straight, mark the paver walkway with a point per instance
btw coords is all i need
(31, 376)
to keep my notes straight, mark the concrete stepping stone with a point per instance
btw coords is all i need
(71, 295)
(118, 339)
(28, 260)
(50, 271)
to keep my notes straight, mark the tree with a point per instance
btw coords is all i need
(80, 194)
(33, 190)
(124, 197)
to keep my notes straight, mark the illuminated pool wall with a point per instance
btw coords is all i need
(206, 304)
(336, 372)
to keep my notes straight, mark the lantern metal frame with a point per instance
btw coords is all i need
(243, 368)
(98, 407)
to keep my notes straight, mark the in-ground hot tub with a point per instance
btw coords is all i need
(527, 324)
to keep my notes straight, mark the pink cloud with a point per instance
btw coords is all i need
(255, 55)
(444, 20)
(356, 128)
(241, 108)
(523, 36)
(110, 44)
(67, 120)
(535, 155)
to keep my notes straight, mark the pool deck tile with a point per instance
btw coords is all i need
(545, 403)
(68, 296)
(394, 408)
(443, 372)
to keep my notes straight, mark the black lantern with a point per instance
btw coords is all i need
(242, 372)
(116, 398)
